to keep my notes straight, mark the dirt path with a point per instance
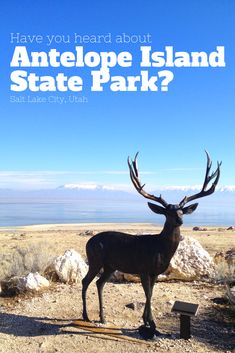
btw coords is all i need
(41, 323)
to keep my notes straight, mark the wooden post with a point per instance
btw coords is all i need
(185, 329)
(186, 310)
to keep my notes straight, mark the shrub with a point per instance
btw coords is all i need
(33, 258)
(225, 274)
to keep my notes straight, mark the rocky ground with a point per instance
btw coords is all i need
(42, 322)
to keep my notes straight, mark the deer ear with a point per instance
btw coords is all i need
(156, 208)
(190, 209)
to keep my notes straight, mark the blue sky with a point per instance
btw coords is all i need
(48, 144)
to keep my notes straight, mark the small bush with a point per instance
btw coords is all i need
(224, 270)
(34, 258)
(225, 274)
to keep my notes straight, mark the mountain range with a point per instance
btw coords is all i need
(172, 194)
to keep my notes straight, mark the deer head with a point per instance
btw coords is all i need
(174, 213)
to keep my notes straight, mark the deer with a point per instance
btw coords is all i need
(146, 255)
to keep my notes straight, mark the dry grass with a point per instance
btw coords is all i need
(32, 248)
(22, 260)
(225, 274)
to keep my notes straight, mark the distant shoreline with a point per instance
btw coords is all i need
(102, 226)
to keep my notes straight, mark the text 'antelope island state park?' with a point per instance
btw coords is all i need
(146, 69)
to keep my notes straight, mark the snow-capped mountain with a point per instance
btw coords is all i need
(88, 186)
(172, 194)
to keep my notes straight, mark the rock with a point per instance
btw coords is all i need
(69, 267)
(220, 300)
(119, 276)
(31, 282)
(87, 233)
(135, 305)
(126, 277)
(131, 278)
(190, 262)
(231, 228)
(200, 229)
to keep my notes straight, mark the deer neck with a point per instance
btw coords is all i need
(171, 237)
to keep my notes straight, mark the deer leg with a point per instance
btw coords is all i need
(100, 285)
(85, 283)
(148, 283)
(152, 282)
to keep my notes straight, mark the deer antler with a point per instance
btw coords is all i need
(134, 175)
(214, 175)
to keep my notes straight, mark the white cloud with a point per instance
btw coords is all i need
(227, 188)
(27, 179)
(52, 179)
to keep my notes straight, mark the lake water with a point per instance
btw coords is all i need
(16, 213)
